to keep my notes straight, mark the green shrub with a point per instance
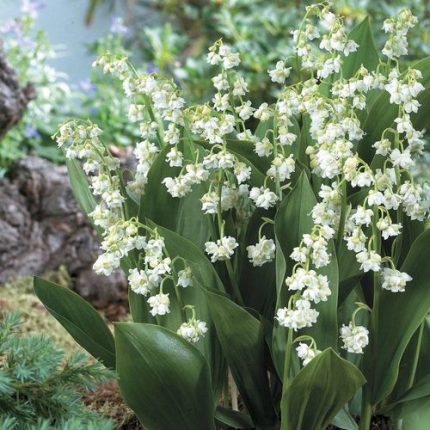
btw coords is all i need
(41, 388)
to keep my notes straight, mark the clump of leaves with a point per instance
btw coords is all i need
(40, 387)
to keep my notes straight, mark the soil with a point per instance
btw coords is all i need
(106, 401)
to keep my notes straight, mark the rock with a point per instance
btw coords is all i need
(42, 228)
(13, 98)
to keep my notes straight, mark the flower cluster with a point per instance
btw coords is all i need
(325, 56)
(306, 284)
(354, 338)
(262, 252)
(193, 329)
(336, 131)
(307, 352)
(240, 170)
(82, 141)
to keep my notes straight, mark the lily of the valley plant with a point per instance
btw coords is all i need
(282, 244)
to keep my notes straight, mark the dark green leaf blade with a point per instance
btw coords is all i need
(399, 317)
(80, 186)
(319, 391)
(163, 378)
(242, 341)
(233, 419)
(79, 318)
(366, 53)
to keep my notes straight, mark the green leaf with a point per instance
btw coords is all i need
(366, 54)
(234, 419)
(241, 335)
(293, 217)
(420, 340)
(80, 186)
(419, 390)
(399, 316)
(163, 378)
(79, 318)
(415, 415)
(319, 391)
(344, 420)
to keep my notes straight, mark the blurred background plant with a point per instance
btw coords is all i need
(174, 38)
(29, 51)
(257, 29)
(101, 96)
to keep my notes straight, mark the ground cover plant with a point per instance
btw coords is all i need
(41, 389)
(290, 255)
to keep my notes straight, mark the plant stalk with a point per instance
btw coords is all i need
(367, 407)
(366, 414)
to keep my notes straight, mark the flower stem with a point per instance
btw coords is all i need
(366, 408)
(366, 415)
(342, 217)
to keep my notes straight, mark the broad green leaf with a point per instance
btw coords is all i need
(80, 186)
(410, 231)
(241, 335)
(79, 318)
(399, 316)
(163, 378)
(366, 53)
(293, 217)
(349, 271)
(233, 419)
(263, 127)
(419, 390)
(419, 344)
(318, 392)
(344, 420)
(414, 415)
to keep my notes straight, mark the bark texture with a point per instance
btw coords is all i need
(13, 98)
(41, 228)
